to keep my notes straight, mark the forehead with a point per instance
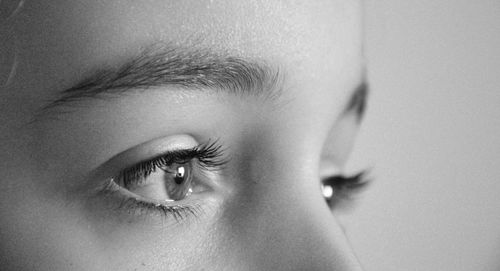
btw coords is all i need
(247, 26)
(68, 37)
(317, 44)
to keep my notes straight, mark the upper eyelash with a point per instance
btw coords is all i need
(353, 182)
(345, 187)
(209, 155)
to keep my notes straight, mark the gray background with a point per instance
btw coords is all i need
(432, 135)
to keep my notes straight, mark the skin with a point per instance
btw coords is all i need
(264, 212)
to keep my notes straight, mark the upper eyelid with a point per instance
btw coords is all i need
(176, 154)
(210, 155)
(111, 167)
(157, 162)
(156, 147)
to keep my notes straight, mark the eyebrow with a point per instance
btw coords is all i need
(186, 68)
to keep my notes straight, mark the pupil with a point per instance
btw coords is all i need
(179, 175)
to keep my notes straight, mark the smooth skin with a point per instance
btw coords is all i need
(265, 211)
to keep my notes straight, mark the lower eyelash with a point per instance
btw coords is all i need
(139, 208)
(178, 212)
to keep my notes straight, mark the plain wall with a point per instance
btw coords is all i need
(432, 137)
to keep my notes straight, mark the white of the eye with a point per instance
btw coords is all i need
(327, 191)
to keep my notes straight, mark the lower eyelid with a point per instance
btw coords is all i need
(115, 203)
(178, 212)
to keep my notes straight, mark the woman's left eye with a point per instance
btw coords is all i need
(338, 189)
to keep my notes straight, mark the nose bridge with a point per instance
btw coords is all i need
(287, 224)
(303, 235)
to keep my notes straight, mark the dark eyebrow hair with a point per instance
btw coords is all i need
(186, 68)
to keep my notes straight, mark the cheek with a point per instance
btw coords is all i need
(42, 234)
(8, 65)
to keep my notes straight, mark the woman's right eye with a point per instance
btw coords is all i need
(166, 183)
(159, 182)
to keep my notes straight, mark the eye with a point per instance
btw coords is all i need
(159, 182)
(168, 183)
(338, 189)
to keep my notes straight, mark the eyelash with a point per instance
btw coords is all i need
(346, 187)
(178, 212)
(209, 157)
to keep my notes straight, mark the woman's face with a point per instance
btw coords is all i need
(177, 135)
